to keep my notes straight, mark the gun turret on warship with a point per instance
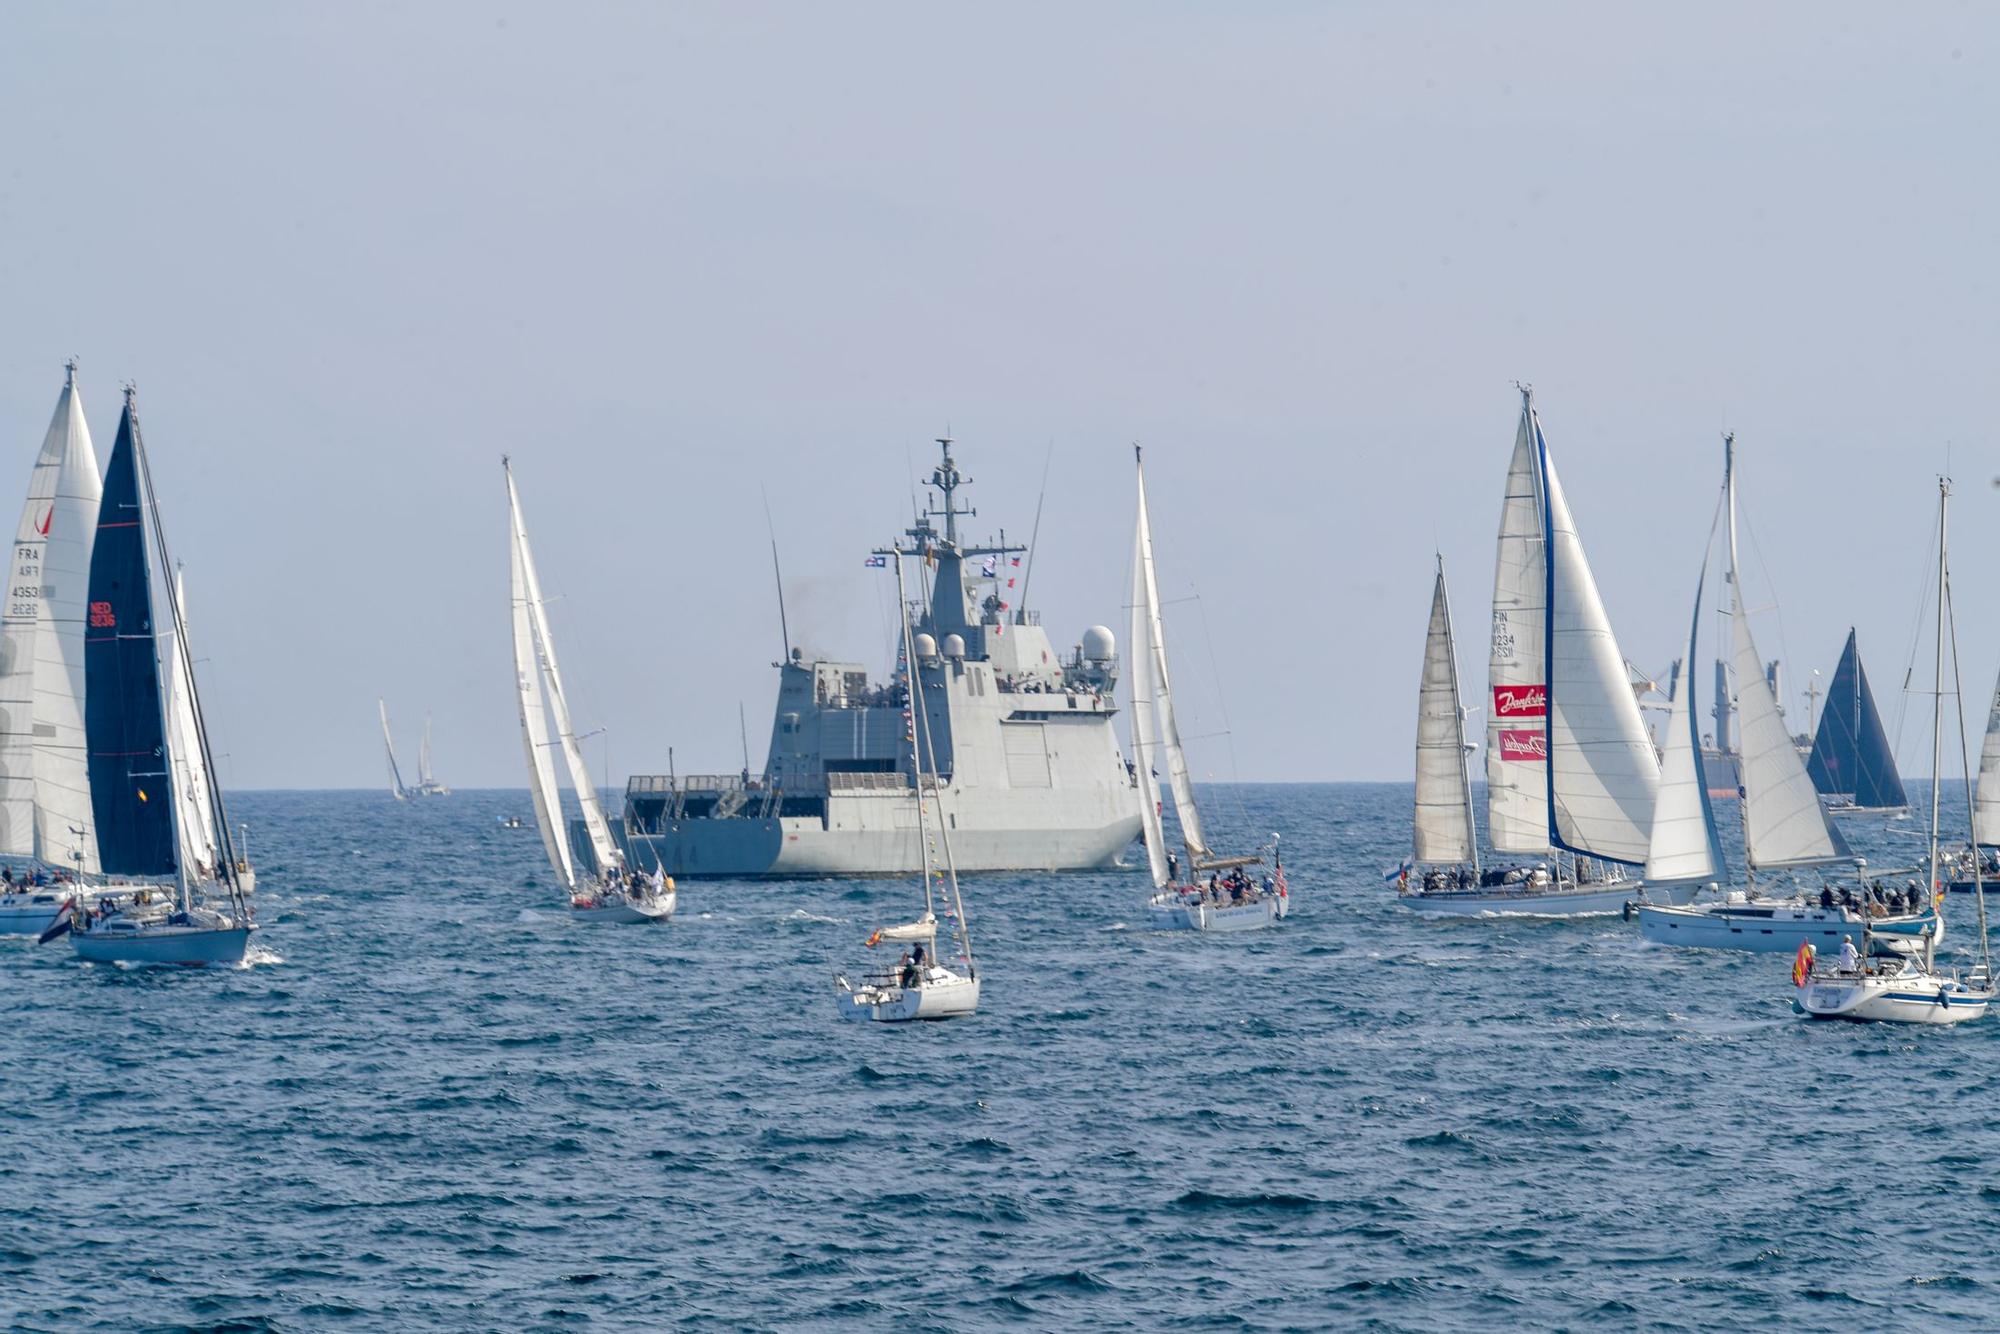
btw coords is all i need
(1024, 740)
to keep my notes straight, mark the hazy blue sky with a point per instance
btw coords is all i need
(665, 255)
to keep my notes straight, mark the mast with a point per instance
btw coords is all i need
(912, 688)
(1937, 718)
(1735, 604)
(1458, 715)
(1984, 977)
(920, 724)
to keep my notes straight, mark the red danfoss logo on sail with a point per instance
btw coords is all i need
(1520, 701)
(1524, 746)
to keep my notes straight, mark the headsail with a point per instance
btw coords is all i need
(1684, 846)
(65, 823)
(1517, 815)
(1178, 778)
(131, 791)
(1139, 680)
(1443, 824)
(534, 713)
(195, 815)
(1986, 800)
(396, 788)
(1851, 755)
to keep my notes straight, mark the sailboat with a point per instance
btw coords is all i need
(1784, 826)
(1571, 776)
(427, 783)
(1684, 853)
(201, 917)
(1852, 766)
(1977, 866)
(1444, 852)
(920, 985)
(396, 788)
(607, 891)
(1909, 989)
(1229, 900)
(45, 818)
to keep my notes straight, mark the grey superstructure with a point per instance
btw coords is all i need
(1032, 772)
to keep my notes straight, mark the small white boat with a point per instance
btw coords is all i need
(919, 985)
(159, 812)
(31, 911)
(1237, 903)
(609, 893)
(1893, 991)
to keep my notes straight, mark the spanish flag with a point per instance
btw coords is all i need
(1802, 964)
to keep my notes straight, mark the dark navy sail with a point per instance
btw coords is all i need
(1851, 755)
(123, 722)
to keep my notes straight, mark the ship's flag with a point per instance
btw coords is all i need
(1016, 560)
(1802, 963)
(1399, 874)
(990, 566)
(878, 562)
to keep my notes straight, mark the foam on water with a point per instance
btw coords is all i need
(429, 1117)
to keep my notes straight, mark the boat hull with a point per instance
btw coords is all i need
(1193, 915)
(1908, 998)
(1503, 901)
(191, 947)
(32, 913)
(1779, 928)
(628, 912)
(944, 995)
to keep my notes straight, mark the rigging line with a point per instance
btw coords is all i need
(1965, 767)
(1222, 707)
(1035, 535)
(1916, 642)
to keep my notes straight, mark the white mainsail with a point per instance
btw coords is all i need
(45, 808)
(396, 788)
(424, 778)
(1517, 807)
(194, 812)
(1986, 797)
(601, 844)
(1783, 822)
(534, 713)
(1139, 679)
(1683, 845)
(1178, 778)
(1604, 777)
(1443, 822)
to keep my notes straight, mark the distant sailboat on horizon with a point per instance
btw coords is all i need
(427, 784)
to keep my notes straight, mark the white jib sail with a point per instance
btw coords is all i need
(1443, 822)
(601, 844)
(1517, 803)
(1683, 842)
(534, 717)
(193, 811)
(1986, 797)
(1139, 680)
(389, 745)
(64, 822)
(1604, 779)
(20, 627)
(1163, 693)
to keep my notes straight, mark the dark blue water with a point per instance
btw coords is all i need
(439, 1104)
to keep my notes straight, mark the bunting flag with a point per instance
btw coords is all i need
(990, 566)
(1016, 561)
(878, 563)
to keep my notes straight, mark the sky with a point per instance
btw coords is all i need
(682, 262)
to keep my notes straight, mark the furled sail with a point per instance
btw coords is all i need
(1850, 754)
(1139, 679)
(1517, 811)
(534, 712)
(65, 824)
(1178, 778)
(1443, 822)
(194, 813)
(1986, 798)
(1603, 775)
(130, 788)
(1684, 846)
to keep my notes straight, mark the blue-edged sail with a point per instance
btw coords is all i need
(1517, 752)
(1850, 755)
(124, 720)
(1441, 831)
(1684, 847)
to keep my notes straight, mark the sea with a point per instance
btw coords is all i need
(430, 1101)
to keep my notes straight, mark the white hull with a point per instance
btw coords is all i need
(160, 943)
(657, 909)
(941, 995)
(1173, 912)
(1910, 996)
(1517, 901)
(32, 913)
(1775, 928)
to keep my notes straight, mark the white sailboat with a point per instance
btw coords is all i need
(1909, 989)
(396, 788)
(607, 892)
(202, 917)
(1444, 851)
(920, 985)
(1229, 900)
(427, 783)
(1571, 775)
(1785, 827)
(1976, 867)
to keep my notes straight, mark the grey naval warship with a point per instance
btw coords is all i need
(1024, 740)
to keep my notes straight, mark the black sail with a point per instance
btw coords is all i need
(1850, 754)
(124, 727)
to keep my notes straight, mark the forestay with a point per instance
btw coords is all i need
(1603, 777)
(1517, 813)
(1443, 822)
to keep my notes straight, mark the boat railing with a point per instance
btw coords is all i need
(867, 782)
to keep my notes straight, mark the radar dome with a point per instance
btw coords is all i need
(1099, 645)
(954, 646)
(926, 646)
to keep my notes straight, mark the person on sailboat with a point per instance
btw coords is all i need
(1849, 960)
